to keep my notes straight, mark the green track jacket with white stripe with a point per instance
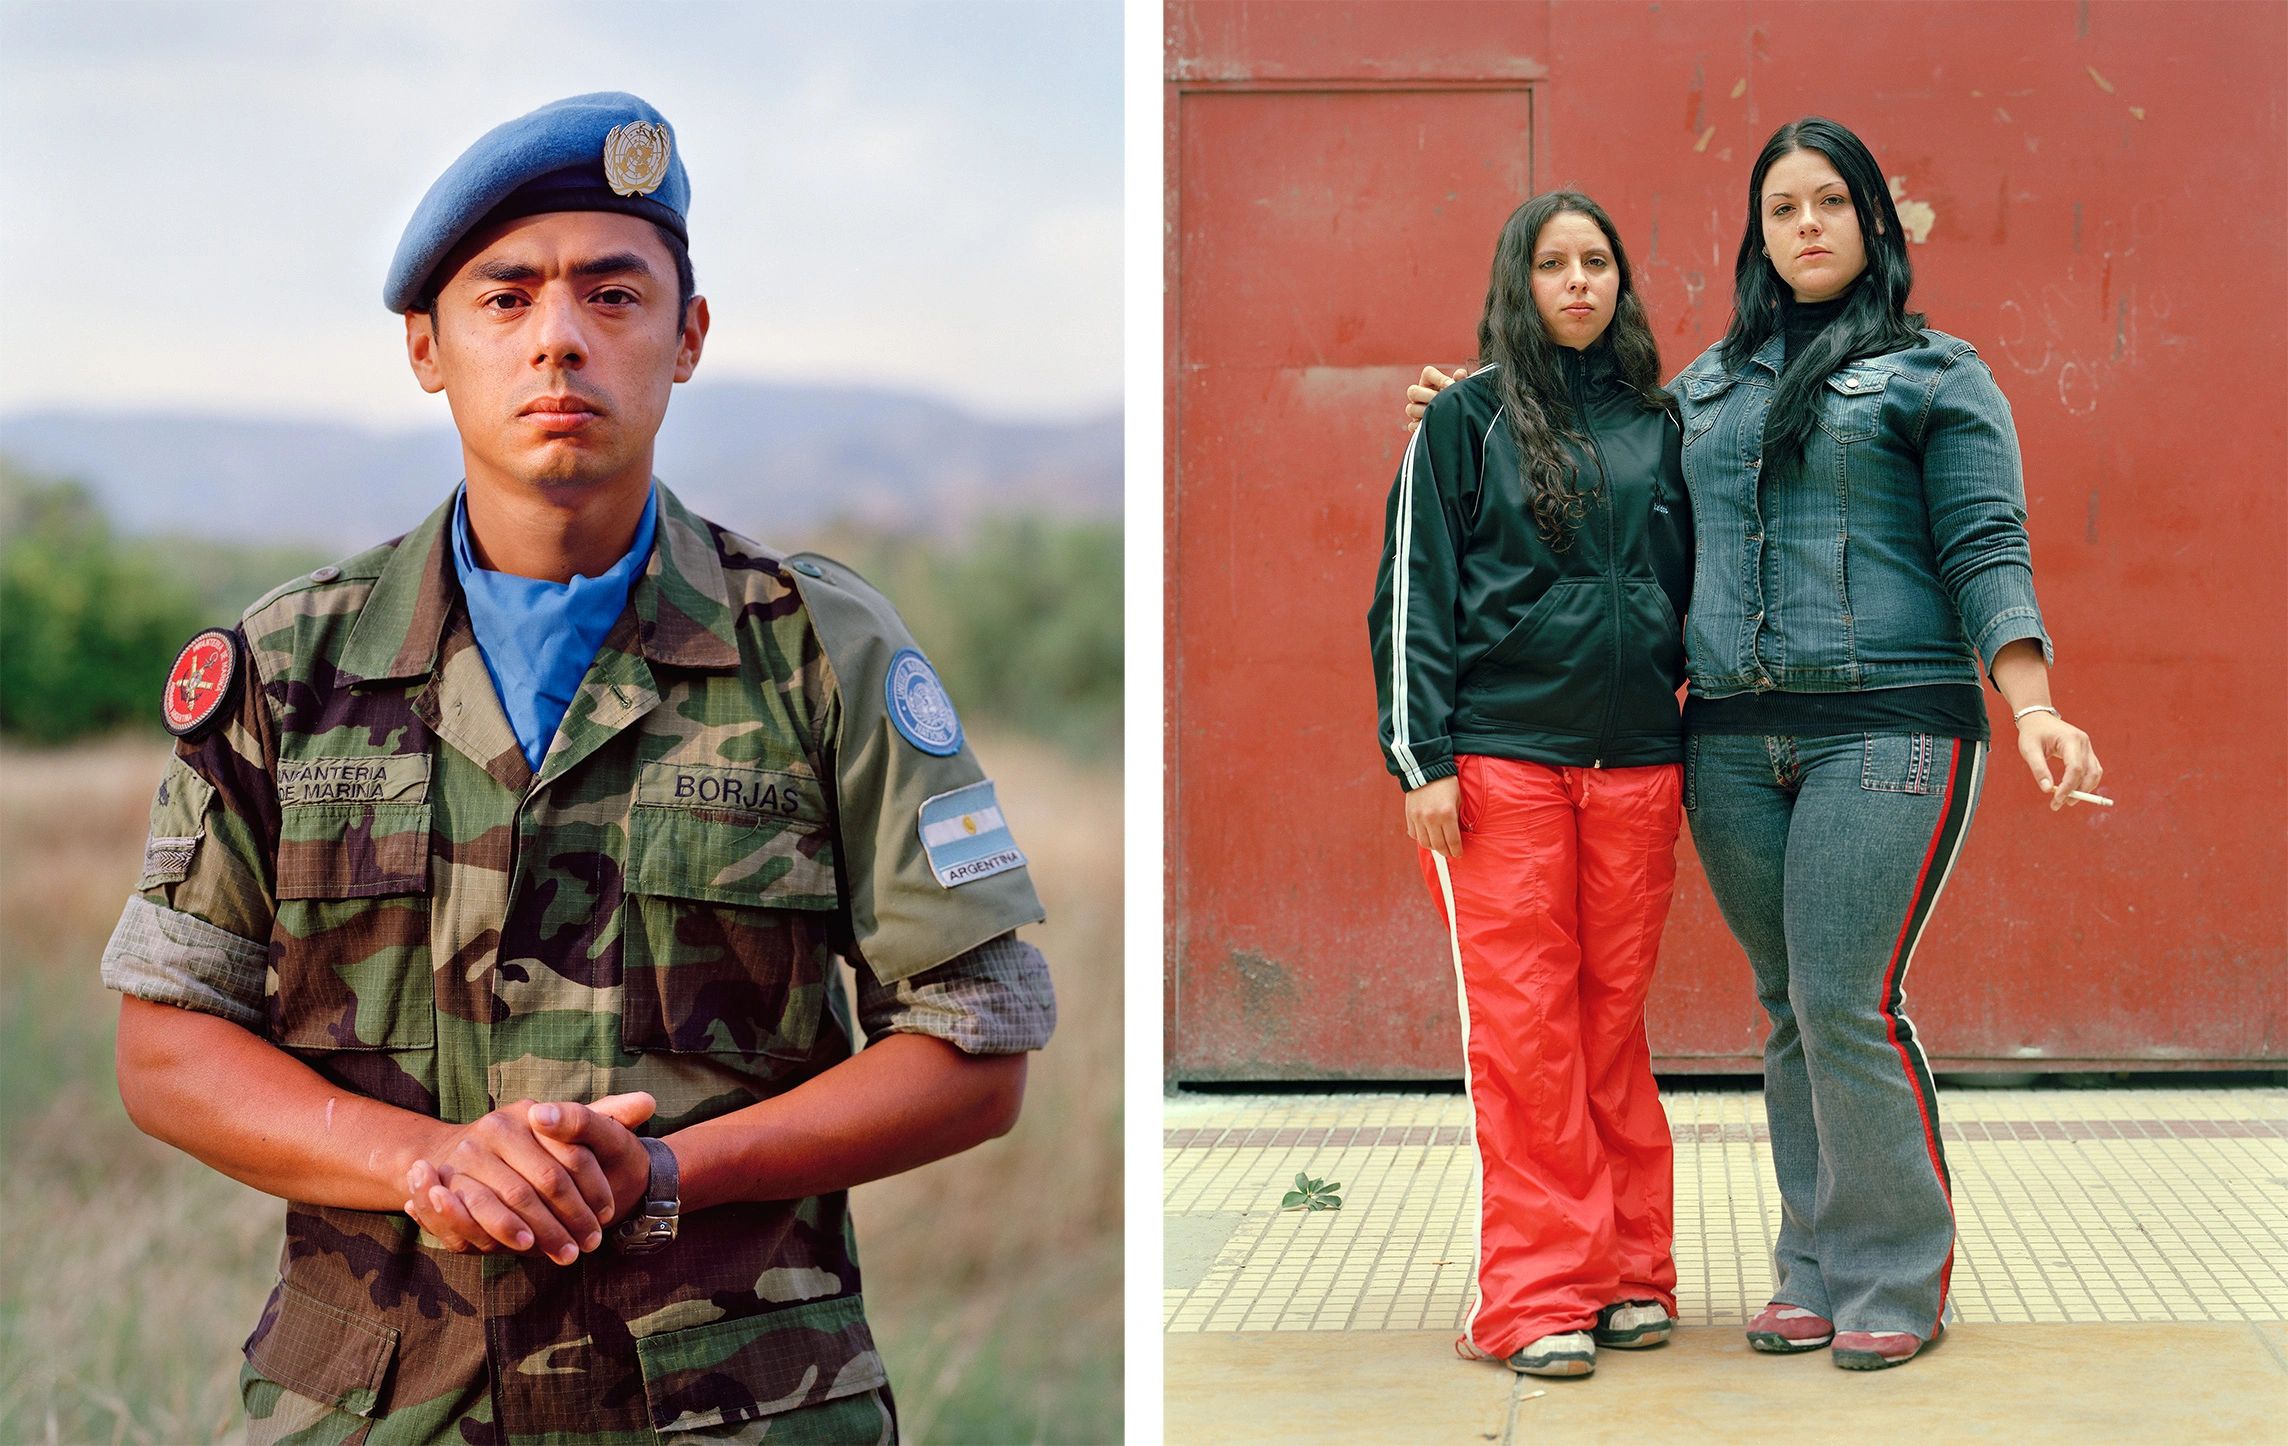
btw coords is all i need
(1486, 639)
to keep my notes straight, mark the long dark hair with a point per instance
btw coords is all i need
(1874, 318)
(1531, 383)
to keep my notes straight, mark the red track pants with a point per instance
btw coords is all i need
(1557, 902)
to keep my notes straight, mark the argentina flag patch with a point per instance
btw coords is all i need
(965, 836)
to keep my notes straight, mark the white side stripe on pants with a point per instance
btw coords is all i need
(1469, 1096)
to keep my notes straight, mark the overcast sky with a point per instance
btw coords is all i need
(204, 196)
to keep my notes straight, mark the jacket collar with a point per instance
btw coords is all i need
(682, 602)
(1771, 356)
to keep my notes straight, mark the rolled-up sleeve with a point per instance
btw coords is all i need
(1974, 489)
(994, 999)
(195, 933)
(170, 957)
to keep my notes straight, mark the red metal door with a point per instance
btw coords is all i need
(1336, 178)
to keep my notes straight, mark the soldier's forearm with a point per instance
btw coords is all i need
(247, 1108)
(901, 1102)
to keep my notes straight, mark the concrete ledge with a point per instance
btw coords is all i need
(2032, 1383)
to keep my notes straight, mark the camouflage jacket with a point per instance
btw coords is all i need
(356, 862)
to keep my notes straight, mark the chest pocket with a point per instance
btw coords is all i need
(1851, 408)
(731, 906)
(1703, 403)
(350, 948)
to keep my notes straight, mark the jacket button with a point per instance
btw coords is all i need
(325, 574)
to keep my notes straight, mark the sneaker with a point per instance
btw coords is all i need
(1877, 1350)
(1783, 1329)
(1571, 1354)
(1630, 1325)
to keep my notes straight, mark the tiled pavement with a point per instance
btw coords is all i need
(2122, 1206)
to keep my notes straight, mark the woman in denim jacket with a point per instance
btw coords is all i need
(1860, 554)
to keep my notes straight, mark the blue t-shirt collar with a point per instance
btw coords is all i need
(538, 637)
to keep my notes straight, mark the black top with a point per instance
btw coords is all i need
(1800, 321)
(1488, 637)
(1951, 710)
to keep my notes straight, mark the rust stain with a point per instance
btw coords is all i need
(2102, 83)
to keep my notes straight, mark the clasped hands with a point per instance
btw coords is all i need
(533, 1179)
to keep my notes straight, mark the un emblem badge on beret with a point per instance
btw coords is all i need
(200, 682)
(635, 157)
(919, 707)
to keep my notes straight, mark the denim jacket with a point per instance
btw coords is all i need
(1894, 554)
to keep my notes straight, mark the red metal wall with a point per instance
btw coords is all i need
(2104, 186)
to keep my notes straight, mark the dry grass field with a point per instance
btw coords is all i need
(129, 1273)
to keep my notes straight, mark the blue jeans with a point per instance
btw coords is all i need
(1826, 856)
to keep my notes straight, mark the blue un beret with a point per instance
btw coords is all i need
(603, 152)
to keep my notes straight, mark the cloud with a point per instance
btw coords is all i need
(931, 191)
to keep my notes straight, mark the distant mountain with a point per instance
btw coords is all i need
(777, 462)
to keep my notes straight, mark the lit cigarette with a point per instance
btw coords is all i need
(2089, 798)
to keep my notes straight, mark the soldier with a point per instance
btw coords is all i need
(492, 899)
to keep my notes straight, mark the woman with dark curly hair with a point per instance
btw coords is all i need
(1862, 554)
(1525, 634)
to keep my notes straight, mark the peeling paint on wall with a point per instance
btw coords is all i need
(1916, 216)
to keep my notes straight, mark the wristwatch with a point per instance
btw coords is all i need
(653, 1226)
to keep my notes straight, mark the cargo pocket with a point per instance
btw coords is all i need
(351, 943)
(731, 1371)
(1897, 762)
(728, 932)
(332, 1356)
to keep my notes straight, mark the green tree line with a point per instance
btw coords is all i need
(1021, 615)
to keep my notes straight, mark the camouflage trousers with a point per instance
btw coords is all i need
(276, 1416)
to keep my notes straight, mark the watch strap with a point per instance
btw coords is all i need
(666, 1183)
(655, 1224)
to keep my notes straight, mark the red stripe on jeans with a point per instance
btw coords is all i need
(1891, 1017)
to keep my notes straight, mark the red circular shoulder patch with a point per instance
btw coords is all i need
(200, 682)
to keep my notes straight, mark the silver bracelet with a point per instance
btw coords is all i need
(2020, 715)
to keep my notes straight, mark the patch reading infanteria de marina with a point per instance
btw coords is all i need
(965, 836)
(919, 707)
(200, 683)
(389, 778)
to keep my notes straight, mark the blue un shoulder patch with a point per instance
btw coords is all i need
(919, 707)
